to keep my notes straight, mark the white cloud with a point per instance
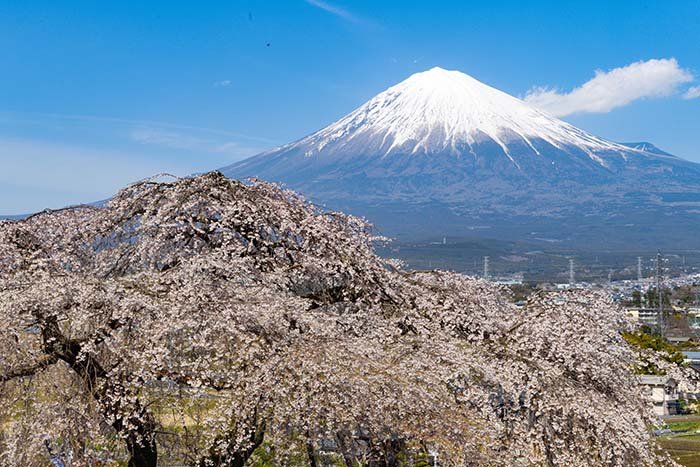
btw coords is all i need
(223, 83)
(335, 10)
(692, 93)
(615, 88)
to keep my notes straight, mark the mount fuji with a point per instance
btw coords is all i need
(442, 153)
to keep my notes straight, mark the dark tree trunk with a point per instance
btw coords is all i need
(236, 456)
(142, 454)
(140, 443)
(345, 446)
(311, 454)
(393, 449)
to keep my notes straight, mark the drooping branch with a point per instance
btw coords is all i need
(234, 454)
(28, 370)
(138, 428)
(229, 292)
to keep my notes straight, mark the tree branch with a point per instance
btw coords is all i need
(29, 370)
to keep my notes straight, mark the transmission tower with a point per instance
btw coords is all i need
(487, 264)
(572, 275)
(640, 276)
(659, 292)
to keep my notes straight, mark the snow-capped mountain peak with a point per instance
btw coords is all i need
(448, 123)
(442, 147)
(440, 110)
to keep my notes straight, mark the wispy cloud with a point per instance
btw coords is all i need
(41, 118)
(615, 88)
(335, 10)
(237, 149)
(38, 174)
(692, 93)
(66, 159)
(225, 83)
(193, 143)
(167, 138)
(187, 138)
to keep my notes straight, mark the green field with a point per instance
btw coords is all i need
(684, 443)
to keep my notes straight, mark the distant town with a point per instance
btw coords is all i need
(663, 307)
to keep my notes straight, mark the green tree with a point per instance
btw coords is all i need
(651, 298)
(644, 338)
(637, 298)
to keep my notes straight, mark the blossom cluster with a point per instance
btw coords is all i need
(199, 319)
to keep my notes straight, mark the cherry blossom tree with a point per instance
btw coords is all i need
(204, 321)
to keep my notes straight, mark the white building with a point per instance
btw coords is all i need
(647, 316)
(662, 392)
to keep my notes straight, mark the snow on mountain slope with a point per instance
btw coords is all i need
(448, 112)
(442, 136)
(648, 148)
(440, 110)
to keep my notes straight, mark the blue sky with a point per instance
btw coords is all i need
(94, 95)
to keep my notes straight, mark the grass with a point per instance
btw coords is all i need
(684, 449)
(684, 444)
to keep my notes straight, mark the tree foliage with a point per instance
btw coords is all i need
(644, 339)
(192, 320)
